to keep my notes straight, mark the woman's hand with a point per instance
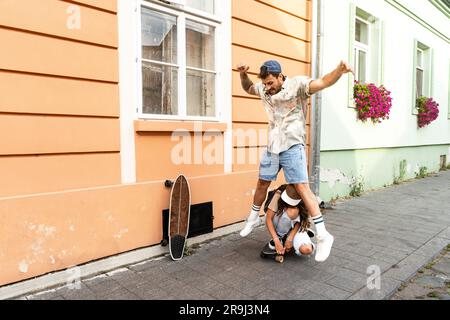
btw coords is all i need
(279, 246)
(288, 245)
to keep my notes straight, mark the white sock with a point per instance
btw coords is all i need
(320, 226)
(254, 214)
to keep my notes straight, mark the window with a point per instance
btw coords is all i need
(419, 72)
(178, 59)
(366, 48)
(361, 50)
(203, 5)
(422, 72)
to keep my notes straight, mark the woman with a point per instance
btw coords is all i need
(288, 224)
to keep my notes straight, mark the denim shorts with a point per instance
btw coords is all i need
(292, 161)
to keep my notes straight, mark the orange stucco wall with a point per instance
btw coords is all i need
(57, 230)
(59, 129)
(61, 198)
(276, 29)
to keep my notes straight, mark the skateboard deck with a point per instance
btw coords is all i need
(268, 253)
(180, 203)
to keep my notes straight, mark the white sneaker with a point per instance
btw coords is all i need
(324, 245)
(249, 227)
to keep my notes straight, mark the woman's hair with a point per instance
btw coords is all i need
(303, 213)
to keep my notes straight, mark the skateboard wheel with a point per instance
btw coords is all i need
(279, 259)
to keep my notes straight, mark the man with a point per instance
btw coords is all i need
(285, 102)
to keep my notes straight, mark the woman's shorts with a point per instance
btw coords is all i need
(302, 239)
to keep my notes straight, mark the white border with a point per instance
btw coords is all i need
(127, 88)
(224, 81)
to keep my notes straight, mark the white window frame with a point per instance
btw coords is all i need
(182, 14)
(420, 66)
(375, 48)
(361, 47)
(427, 68)
(448, 86)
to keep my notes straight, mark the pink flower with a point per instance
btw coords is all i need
(372, 102)
(428, 111)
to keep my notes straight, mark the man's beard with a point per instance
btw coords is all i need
(272, 92)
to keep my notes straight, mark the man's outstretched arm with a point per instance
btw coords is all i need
(246, 83)
(331, 78)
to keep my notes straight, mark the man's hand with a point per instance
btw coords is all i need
(344, 68)
(242, 68)
(246, 83)
(331, 78)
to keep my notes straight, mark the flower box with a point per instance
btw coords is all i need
(372, 102)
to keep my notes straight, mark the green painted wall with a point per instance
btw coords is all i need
(376, 167)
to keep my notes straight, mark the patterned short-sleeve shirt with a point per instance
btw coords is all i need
(287, 111)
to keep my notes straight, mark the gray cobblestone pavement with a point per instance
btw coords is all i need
(431, 282)
(395, 231)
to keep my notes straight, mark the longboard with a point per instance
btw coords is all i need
(268, 253)
(180, 204)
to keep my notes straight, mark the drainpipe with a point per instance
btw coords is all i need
(314, 159)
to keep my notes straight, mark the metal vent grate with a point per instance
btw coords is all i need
(200, 221)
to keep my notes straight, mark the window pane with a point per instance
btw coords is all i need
(199, 45)
(362, 64)
(419, 83)
(200, 93)
(159, 36)
(361, 32)
(204, 5)
(420, 58)
(160, 89)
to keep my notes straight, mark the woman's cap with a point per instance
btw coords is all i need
(290, 196)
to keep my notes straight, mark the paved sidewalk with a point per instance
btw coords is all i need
(398, 230)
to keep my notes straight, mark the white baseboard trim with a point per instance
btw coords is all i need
(63, 277)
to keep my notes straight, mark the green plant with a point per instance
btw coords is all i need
(402, 172)
(188, 250)
(334, 199)
(423, 172)
(357, 186)
(433, 294)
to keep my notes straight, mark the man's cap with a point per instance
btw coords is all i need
(271, 66)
